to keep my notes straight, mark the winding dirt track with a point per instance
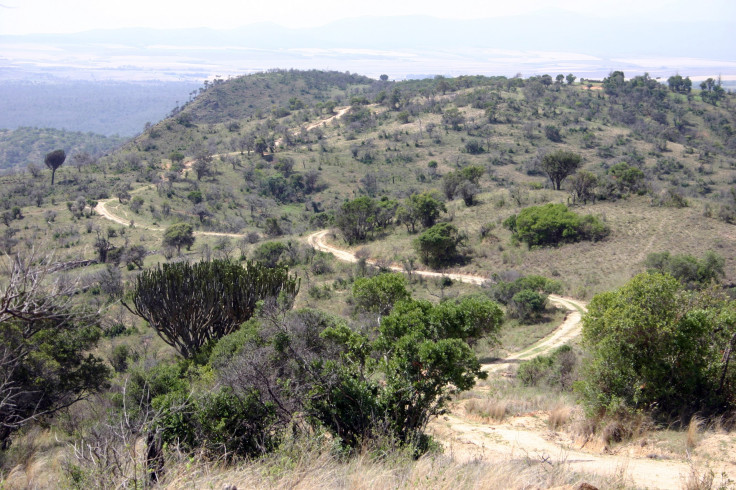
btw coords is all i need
(527, 437)
(569, 329)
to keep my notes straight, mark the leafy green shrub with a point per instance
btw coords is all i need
(504, 291)
(438, 244)
(527, 305)
(553, 224)
(656, 347)
(379, 293)
(218, 421)
(269, 253)
(360, 385)
(690, 271)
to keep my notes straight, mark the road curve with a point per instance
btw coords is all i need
(566, 331)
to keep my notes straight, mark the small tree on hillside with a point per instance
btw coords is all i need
(559, 165)
(54, 160)
(179, 235)
(438, 244)
(189, 305)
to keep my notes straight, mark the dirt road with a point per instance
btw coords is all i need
(527, 436)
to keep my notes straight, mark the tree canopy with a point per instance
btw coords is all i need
(656, 347)
(559, 165)
(54, 160)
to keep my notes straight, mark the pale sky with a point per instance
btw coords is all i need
(56, 16)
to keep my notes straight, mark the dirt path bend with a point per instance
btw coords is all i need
(103, 210)
(527, 436)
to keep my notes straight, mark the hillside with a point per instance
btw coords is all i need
(335, 176)
(23, 146)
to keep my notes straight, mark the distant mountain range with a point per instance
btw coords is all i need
(551, 41)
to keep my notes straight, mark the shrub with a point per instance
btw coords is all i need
(269, 253)
(656, 347)
(553, 224)
(438, 244)
(556, 370)
(690, 271)
(379, 293)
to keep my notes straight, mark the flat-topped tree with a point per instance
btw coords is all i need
(54, 160)
(559, 165)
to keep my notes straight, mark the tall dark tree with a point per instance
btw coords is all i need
(190, 305)
(54, 160)
(559, 165)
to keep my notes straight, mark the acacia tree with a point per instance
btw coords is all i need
(189, 305)
(54, 160)
(559, 165)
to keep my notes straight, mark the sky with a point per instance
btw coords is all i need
(66, 16)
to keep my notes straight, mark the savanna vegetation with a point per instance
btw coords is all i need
(182, 315)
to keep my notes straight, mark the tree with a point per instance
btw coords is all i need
(380, 293)
(690, 271)
(680, 85)
(582, 185)
(453, 118)
(54, 160)
(438, 244)
(45, 340)
(570, 78)
(560, 164)
(424, 208)
(389, 380)
(384, 78)
(655, 347)
(711, 91)
(179, 235)
(190, 305)
(356, 218)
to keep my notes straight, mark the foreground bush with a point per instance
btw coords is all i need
(313, 367)
(656, 347)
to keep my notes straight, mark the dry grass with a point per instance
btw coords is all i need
(559, 417)
(487, 408)
(320, 469)
(693, 430)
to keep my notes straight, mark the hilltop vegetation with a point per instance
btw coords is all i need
(542, 185)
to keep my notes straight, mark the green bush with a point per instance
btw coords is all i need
(527, 305)
(438, 245)
(654, 346)
(269, 253)
(553, 224)
(379, 293)
(504, 291)
(690, 271)
(360, 385)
